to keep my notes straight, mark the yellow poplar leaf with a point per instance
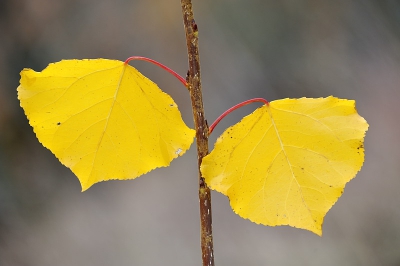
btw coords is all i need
(288, 163)
(103, 119)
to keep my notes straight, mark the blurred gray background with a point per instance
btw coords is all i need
(264, 48)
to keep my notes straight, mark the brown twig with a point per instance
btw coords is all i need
(194, 86)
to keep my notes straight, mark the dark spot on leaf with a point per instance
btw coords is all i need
(59, 123)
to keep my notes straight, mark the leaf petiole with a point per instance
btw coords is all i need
(179, 77)
(233, 108)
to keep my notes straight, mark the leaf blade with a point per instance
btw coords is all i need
(103, 119)
(292, 149)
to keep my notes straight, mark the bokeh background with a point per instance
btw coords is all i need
(263, 48)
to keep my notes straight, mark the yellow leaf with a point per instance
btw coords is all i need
(103, 119)
(288, 163)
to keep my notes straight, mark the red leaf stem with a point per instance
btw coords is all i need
(179, 77)
(233, 108)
